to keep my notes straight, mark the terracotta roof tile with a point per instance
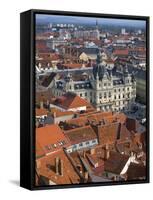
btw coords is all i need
(58, 113)
(69, 101)
(41, 111)
(73, 65)
(123, 52)
(136, 171)
(47, 169)
(51, 138)
(115, 162)
(81, 134)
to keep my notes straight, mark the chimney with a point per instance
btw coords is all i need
(47, 103)
(57, 165)
(86, 175)
(37, 124)
(61, 167)
(92, 151)
(84, 154)
(41, 104)
(54, 114)
(79, 168)
(107, 152)
(38, 164)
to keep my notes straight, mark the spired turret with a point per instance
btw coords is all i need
(126, 71)
(100, 71)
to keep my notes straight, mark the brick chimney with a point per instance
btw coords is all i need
(41, 104)
(57, 165)
(61, 167)
(38, 164)
(107, 152)
(92, 151)
(132, 124)
(86, 175)
(54, 114)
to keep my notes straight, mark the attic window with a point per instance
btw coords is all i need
(80, 144)
(54, 145)
(47, 147)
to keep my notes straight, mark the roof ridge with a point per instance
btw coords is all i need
(83, 127)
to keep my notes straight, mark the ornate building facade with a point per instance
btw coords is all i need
(107, 90)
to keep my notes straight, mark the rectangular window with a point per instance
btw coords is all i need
(104, 94)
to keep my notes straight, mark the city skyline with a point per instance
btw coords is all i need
(89, 20)
(90, 109)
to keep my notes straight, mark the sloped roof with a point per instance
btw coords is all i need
(47, 169)
(40, 111)
(81, 134)
(50, 138)
(70, 100)
(136, 171)
(46, 82)
(123, 52)
(115, 162)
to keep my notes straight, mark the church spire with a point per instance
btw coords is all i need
(96, 24)
(99, 58)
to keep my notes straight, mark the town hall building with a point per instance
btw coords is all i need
(106, 89)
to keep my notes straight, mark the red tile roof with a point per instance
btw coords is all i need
(41, 112)
(69, 101)
(73, 65)
(136, 171)
(115, 162)
(81, 134)
(123, 52)
(108, 133)
(58, 113)
(47, 169)
(50, 138)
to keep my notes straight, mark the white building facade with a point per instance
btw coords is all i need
(107, 90)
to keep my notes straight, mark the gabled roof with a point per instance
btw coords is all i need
(115, 162)
(41, 111)
(70, 100)
(108, 133)
(50, 138)
(81, 134)
(46, 82)
(123, 52)
(58, 113)
(136, 171)
(73, 65)
(47, 169)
